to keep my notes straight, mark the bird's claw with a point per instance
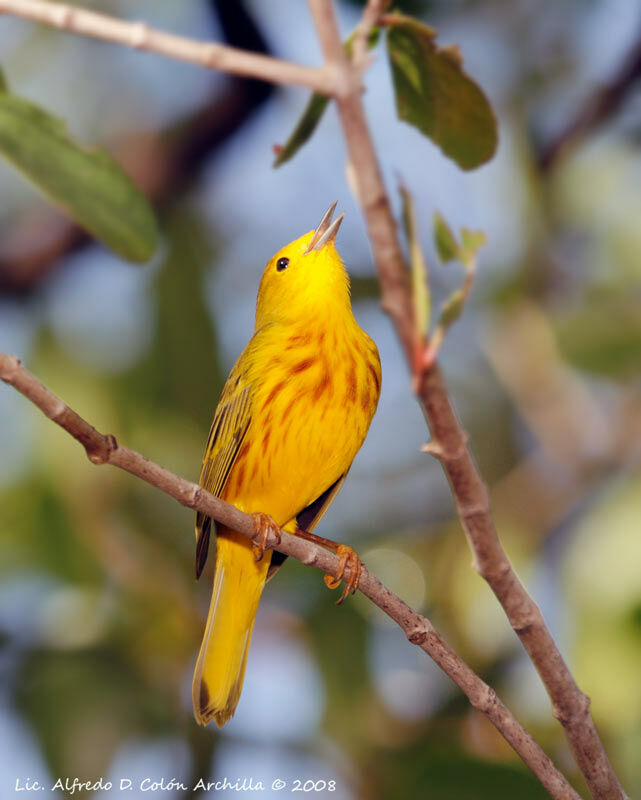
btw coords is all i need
(264, 527)
(349, 559)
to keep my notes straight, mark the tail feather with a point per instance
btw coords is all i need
(220, 669)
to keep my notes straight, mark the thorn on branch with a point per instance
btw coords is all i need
(436, 449)
(433, 448)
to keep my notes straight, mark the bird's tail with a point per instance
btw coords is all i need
(238, 585)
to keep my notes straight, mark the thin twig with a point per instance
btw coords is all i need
(104, 449)
(570, 705)
(603, 103)
(369, 18)
(141, 37)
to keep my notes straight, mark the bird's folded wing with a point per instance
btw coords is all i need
(228, 430)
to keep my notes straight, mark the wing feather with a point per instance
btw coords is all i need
(228, 430)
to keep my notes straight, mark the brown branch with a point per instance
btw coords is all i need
(449, 441)
(141, 37)
(381, 227)
(371, 13)
(600, 106)
(104, 449)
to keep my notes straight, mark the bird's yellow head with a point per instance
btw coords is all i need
(305, 278)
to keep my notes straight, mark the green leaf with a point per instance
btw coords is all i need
(465, 252)
(87, 184)
(603, 336)
(166, 380)
(314, 111)
(446, 244)
(471, 243)
(420, 285)
(304, 129)
(3, 82)
(434, 94)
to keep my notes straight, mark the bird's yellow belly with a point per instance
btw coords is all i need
(300, 443)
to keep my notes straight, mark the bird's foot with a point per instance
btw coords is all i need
(348, 560)
(264, 527)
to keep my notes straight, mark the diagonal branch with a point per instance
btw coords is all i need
(103, 449)
(449, 441)
(141, 37)
(602, 105)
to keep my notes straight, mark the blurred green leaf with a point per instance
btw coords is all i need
(74, 700)
(471, 243)
(181, 373)
(421, 298)
(446, 244)
(434, 94)
(340, 647)
(604, 335)
(313, 112)
(46, 541)
(3, 82)
(87, 184)
(450, 250)
(409, 773)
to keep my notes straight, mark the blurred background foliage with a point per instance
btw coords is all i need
(100, 618)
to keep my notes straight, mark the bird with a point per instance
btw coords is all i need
(292, 415)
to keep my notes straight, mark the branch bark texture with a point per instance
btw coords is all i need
(449, 441)
(104, 449)
(601, 106)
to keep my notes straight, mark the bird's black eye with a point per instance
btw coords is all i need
(281, 264)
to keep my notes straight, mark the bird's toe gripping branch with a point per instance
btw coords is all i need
(348, 559)
(349, 564)
(264, 528)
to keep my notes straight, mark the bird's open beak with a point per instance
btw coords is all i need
(326, 231)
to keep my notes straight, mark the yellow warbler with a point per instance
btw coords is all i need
(292, 415)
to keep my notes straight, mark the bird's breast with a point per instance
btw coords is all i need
(313, 398)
